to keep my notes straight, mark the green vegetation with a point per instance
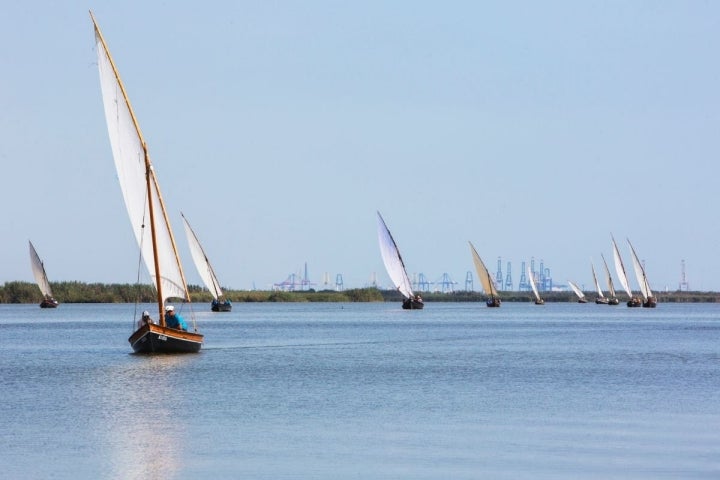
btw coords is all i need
(78, 292)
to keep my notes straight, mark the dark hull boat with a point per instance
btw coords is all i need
(224, 306)
(634, 302)
(493, 302)
(154, 338)
(486, 280)
(651, 302)
(38, 269)
(613, 301)
(412, 304)
(49, 303)
(602, 301)
(146, 208)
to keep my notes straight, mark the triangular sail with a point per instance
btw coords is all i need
(597, 284)
(137, 179)
(392, 259)
(640, 274)
(202, 262)
(531, 276)
(611, 287)
(577, 290)
(39, 272)
(620, 269)
(483, 274)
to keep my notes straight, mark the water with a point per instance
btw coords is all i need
(365, 391)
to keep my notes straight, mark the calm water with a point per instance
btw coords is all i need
(365, 391)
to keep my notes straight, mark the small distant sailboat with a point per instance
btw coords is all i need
(649, 301)
(578, 292)
(601, 299)
(486, 279)
(41, 279)
(622, 276)
(538, 299)
(396, 267)
(202, 263)
(146, 208)
(611, 288)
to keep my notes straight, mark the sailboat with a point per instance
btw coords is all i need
(486, 279)
(146, 209)
(42, 280)
(649, 300)
(578, 292)
(396, 267)
(538, 299)
(611, 288)
(202, 263)
(601, 299)
(622, 276)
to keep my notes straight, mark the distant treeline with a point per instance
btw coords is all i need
(78, 292)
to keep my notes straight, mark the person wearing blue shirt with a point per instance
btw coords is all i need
(173, 320)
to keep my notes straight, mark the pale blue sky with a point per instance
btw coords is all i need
(533, 129)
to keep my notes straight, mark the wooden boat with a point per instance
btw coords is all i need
(38, 269)
(538, 300)
(202, 263)
(601, 299)
(147, 212)
(649, 300)
(622, 276)
(396, 267)
(578, 292)
(612, 300)
(486, 280)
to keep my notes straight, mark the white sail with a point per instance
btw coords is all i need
(38, 270)
(620, 269)
(597, 284)
(392, 259)
(483, 274)
(577, 290)
(640, 274)
(608, 277)
(531, 276)
(133, 164)
(202, 262)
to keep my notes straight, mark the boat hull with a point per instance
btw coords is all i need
(49, 303)
(221, 306)
(540, 302)
(410, 304)
(492, 302)
(602, 301)
(157, 339)
(651, 302)
(634, 302)
(613, 301)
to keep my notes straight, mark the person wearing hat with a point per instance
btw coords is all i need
(173, 320)
(145, 319)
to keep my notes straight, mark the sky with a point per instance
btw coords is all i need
(536, 130)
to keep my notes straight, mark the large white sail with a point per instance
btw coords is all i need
(620, 269)
(202, 262)
(133, 164)
(608, 277)
(597, 284)
(392, 259)
(531, 276)
(39, 272)
(483, 273)
(640, 274)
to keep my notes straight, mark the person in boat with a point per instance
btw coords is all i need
(173, 320)
(145, 319)
(418, 298)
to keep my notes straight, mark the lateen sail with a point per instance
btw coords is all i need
(39, 272)
(611, 287)
(483, 274)
(640, 274)
(532, 283)
(620, 269)
(129, 153)
(392, 259)
(576, 289)
(597, 284)
(202, 262)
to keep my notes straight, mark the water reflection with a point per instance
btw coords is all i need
(138, 423)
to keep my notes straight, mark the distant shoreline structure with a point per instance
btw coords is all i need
(78, 292)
